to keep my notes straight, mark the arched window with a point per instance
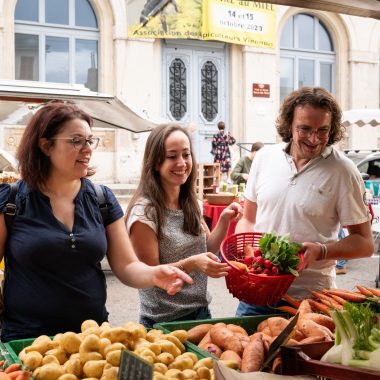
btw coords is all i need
(307, 55)
(56, 41)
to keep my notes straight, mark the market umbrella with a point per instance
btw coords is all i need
(361, 117)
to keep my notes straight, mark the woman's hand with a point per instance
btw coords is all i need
(210, 265)
(234, 211)
(170, 278)
(312, 252)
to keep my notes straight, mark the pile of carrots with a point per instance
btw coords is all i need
(13, 372)
(327, 299)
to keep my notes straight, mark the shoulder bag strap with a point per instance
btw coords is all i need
(11, 207)
(103, 206)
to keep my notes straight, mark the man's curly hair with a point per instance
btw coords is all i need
(317, 97)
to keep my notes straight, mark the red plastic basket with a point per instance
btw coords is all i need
(249, 287)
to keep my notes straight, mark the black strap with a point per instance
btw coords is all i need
(103, 206)
(11, 208)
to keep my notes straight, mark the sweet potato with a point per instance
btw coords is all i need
(244, 339)
(310, 328)
(304, 307)
(225, 339)
(231, 355)
(253, 355)
(197, 333)
(276, 325)
(321, 319)
(206, 340)
(237, 329)
(212, 349)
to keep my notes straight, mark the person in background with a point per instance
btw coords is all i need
(53, 277)
(165, 223)
(340, 267)
(221, 142)
(241, 170)
(300, 188)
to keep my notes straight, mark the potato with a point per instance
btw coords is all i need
(165, 357)
(50, 359)
(113, 357)
(180, 334)
(59, 353)
(168, 346)
(204, 373)
(114, 347)
(174, 374)
(181, 363)
(205, 362)
(190, 374)
(73, 366)
(87, 324)
(231, 355)
(176, 341)
(110, 373)
(153, 335)
(117, 334)
(67, 376)
(136, 330)
(50, 371)
(33, 360)
(94, 368)
(160, 367)
(70, 342)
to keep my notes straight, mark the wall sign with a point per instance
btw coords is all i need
(260, 90)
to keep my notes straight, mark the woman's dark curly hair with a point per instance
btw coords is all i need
(316, 97)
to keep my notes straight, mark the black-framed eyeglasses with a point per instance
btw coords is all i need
(80, 142)
(306, 132)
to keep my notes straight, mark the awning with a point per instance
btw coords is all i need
(18, 101)
(362, 8)
(361, 117)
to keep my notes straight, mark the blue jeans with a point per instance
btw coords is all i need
(200, 313)
(245, 309)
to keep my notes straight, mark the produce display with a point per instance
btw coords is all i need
(95, 353)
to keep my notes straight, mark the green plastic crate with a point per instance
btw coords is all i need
(248, 323)
(14, 347)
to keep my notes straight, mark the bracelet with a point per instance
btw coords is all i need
(323, 251)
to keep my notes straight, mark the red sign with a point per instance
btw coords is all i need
(260, 90)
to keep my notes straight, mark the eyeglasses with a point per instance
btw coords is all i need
(306, 132)
(80, 142)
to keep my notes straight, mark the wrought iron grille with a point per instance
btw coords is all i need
(209, 90)
(177, 89)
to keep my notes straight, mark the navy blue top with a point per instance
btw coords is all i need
(53, 280)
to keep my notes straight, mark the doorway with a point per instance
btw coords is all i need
(195, 89)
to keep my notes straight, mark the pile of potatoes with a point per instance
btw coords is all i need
(94, 354)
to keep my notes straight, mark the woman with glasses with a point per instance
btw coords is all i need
(307, 188)
(53, 277)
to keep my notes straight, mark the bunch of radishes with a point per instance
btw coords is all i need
(257, 264)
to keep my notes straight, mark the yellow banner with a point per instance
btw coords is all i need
(239, 22)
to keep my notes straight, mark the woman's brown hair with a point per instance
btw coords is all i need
(150, 186)
(34, 165)
(316, 97)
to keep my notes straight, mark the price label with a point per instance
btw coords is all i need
(133, 367)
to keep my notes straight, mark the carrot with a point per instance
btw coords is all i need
(329, 301)
(319, 307)
(364, 291)
(287, 309)
(13, 367)
(239, 265)
(374, 292)
(347, 295)
(338, 299)
(291, 300)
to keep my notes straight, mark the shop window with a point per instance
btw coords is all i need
(56, 41)
(307, 55)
